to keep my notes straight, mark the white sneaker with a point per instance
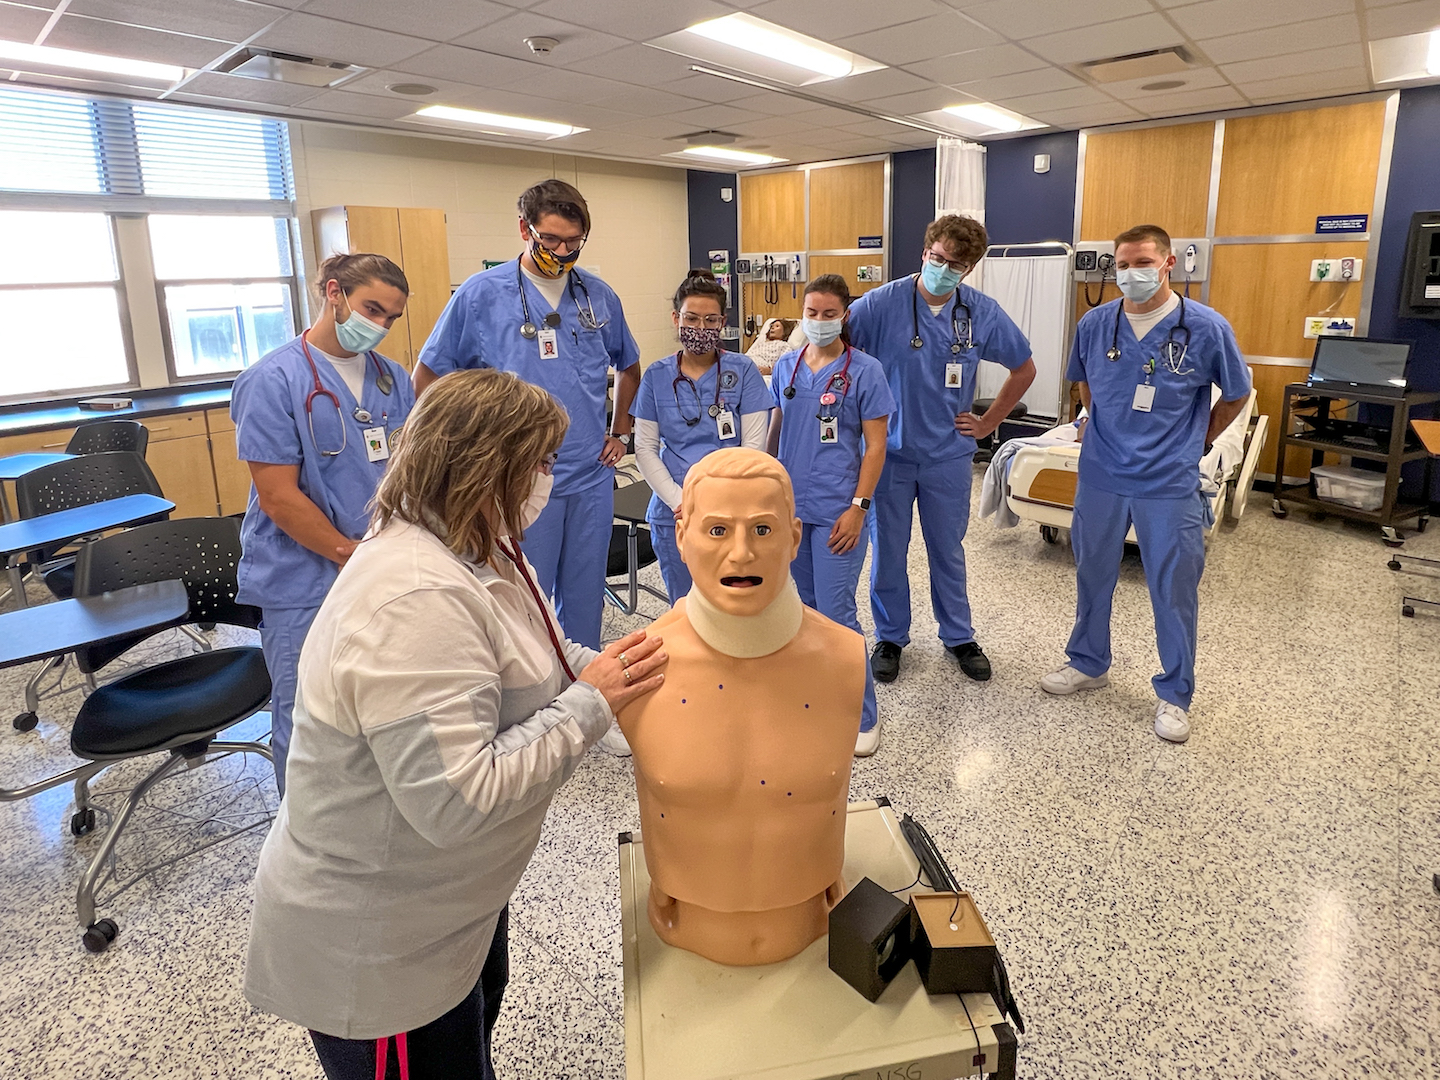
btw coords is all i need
(613, 741)
(1172, 723)
(868, 742)
(1067, 680)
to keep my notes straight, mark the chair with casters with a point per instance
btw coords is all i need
(631, 549)
(102, 436)
(177, 708)
(78, 481)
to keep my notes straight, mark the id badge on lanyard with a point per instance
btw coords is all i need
(954, 376)
(548, 341)
(1144, 398)
(829, 430)
(377, 446)
(725, 425)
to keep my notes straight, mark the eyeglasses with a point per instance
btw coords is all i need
(710, 322)
(547, 463)
(935, 259)
(552, 243)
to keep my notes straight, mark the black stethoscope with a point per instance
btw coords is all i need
(1172, 353)
(839, 381)
(917, 342)
(586, 315)
(716, 408)
(382, 380)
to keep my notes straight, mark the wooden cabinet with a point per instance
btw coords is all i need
(36, 442)
(232, 476)
(412, 238)
(179, 456)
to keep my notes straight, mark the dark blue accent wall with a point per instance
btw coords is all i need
(714, 223)
(912, 207)
(1023, 206)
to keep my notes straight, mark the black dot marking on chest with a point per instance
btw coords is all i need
(788, 794)
(662, 815)
(722, 686)
(682, 701)
(807, 704)
(762, 783)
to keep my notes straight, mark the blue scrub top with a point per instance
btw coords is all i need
(480, 328)
(742, 390)
(825, 475)
(882, 322)
(1153, 454)
(267, 403)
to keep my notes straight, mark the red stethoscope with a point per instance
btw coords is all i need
(519, 561)
(382, 380)
(842, 380)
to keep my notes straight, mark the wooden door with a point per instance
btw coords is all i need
(232, 476)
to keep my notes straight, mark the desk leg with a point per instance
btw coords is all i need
(1005, 1067)
(632, 543)
(17, 582)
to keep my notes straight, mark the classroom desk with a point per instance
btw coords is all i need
(631, 502)
(14, 466)
(67, 625)
(688, 1018)
(51, 530)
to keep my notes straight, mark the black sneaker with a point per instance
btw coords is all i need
(972, 660)
(885, 661)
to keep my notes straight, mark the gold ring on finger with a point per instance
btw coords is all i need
(623, 661)
(626, 673)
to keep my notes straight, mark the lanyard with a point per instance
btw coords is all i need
(843, 379)
(519, 561)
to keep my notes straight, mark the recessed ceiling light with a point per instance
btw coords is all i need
(783, 52)
(1163, 84)
(412, 89)
(725, 153)
(500, 123)
(1432, 57)
(991, 116)
(45, 56)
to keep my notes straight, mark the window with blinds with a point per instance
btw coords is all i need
(85, 181)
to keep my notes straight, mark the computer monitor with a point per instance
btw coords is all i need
(1371, 364)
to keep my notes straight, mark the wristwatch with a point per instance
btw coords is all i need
(625, 439)
(863, 504)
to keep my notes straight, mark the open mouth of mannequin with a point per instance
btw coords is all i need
(741, 582)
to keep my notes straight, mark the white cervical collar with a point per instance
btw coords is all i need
(747, 636)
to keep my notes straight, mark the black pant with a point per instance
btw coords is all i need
(454, 1047)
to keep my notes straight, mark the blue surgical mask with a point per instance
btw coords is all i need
(939, 280)
(1138, 283)
(822, 332)
(358, 334)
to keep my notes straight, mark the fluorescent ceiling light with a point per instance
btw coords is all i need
(1432, 55)
(990, 116)
(1409, 58)
(45, 56)
(757, 47)
(724, 153)
(498, 122)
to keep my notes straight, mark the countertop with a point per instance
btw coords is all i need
(43, 416)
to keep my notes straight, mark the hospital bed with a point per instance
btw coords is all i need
(1034, 479)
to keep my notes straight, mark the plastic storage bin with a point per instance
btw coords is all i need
(1348, 486)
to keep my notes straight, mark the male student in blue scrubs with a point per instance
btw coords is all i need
(561, 329)
(930, 332)
(1145, 364)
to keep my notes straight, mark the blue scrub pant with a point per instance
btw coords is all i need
(1172, 547)
(282, 632)
(942, 489)
(827, 583)
(672, 569)
(569, 547)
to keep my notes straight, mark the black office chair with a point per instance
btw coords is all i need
(65, 485)
(985, 448)
(618, 563)
(101, 436)
(178, 707)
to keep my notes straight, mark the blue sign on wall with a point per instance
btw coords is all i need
(871, 242)
(1342, 223)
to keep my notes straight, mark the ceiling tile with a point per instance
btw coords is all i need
(227, 20)
(1194, 79)
(1279, 40)
(875, 128)
(338, 101)
(872, 84)
(639, 64)
(639, 22)
(1091, 115)
(1022, 18)
(377, 82)
(773, 103)
(1215, 18)
(1312, 62)
(977, 64)
(29, 78)
(1020, 84)
(134, 43)
(507, 38)
(1307, 85)
(238, 88)
(856, 16)
(714, 116)
(1212, 97)
(434, 20)
(310, 35)
(1398, 19)
(925, 39)
(22, 22)
(1057, 99)
(921, 101)
(707, 87)
(1122, 38)
(643, 101)
(467, 66)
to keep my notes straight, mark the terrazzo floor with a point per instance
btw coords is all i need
(1255, 903)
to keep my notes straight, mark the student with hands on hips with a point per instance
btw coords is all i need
(703, 398)
(315, 421)
(832, 407)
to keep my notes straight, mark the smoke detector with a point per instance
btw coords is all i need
(541, 45)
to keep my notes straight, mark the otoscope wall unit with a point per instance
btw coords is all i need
(1096, 257)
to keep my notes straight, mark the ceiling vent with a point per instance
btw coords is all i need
(708, 138)
(1146, 65)
(285, 67)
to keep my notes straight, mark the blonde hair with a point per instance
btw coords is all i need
(472, 443)
(736, 463)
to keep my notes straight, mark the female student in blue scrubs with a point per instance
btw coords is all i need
(561, 330)
(701, 399)
(316, 420)
(832, 406)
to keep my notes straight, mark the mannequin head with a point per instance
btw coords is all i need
(738, 531)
